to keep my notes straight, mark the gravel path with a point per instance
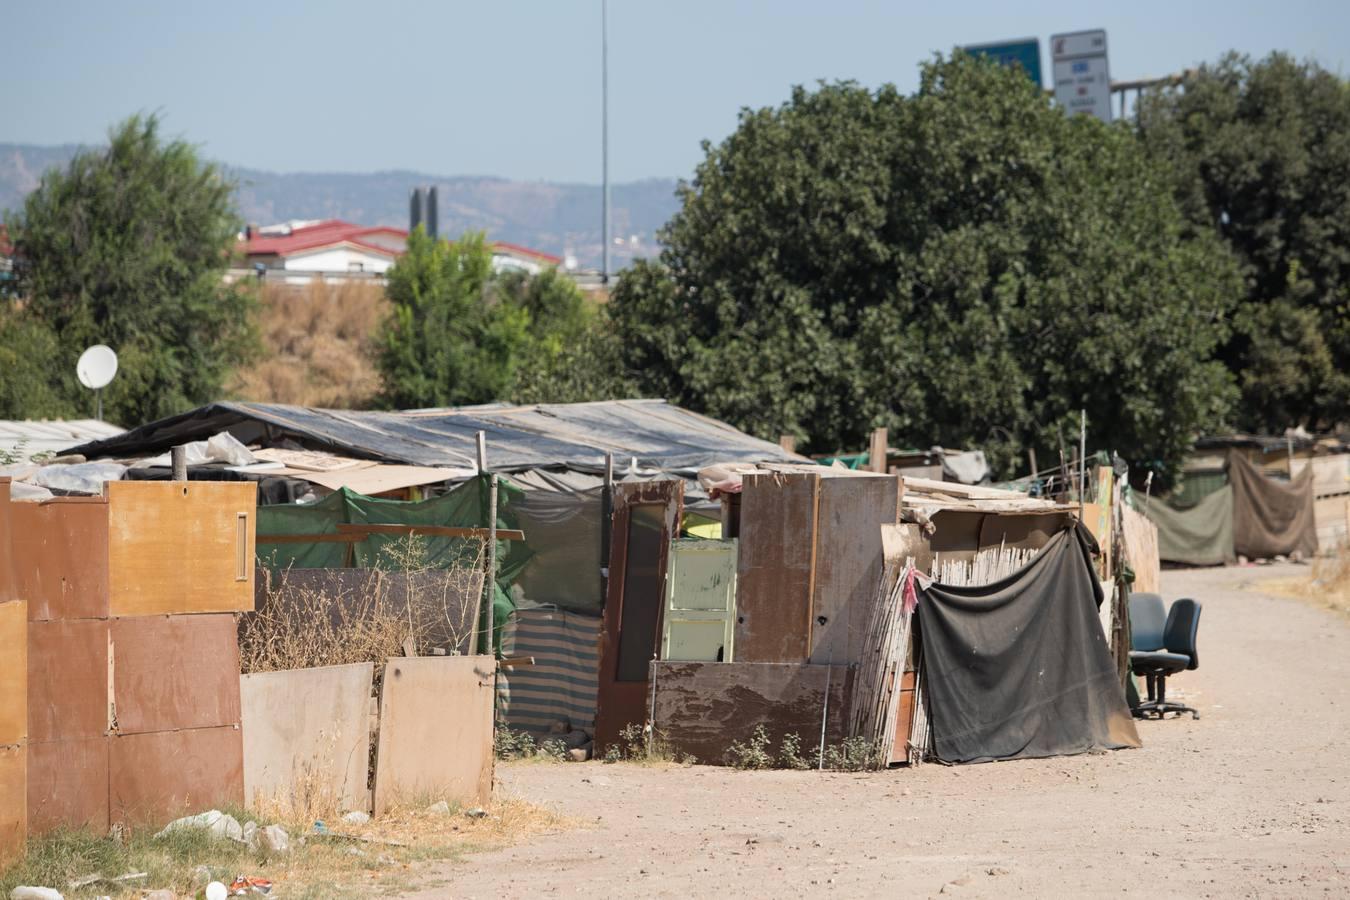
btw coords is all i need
(1251, 800)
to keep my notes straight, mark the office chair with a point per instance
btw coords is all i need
(1162, 645)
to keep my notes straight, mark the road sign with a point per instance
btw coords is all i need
(1082, 76)
(1024, 53)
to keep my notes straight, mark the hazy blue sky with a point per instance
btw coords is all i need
(512, 88)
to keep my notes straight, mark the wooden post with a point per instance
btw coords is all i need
(178, 457)
(788, 442)
(606, 526)
(482, 452)
(1031, 458)
(492, 561)
(876, 451)
(1082, 461)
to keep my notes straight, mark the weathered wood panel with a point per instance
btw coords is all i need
(435, 731)
(702, 708)
(1332, 517)
(13, 803)
(776, 567)
(13, 672)
(68, 785)
(60, 556)
(172, 672)
(1140, 537)
(307, 727)
(176, 547)
(849, 562)
(67, 680)
(157, 777)
(8, 592)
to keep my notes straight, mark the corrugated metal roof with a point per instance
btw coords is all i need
(26, 438)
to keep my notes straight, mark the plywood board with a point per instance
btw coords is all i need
(702, 708)
(67, 680)
(435, 731)
(849, 563)
(180, 547)
(8, 592)
(1332, 516)
(60, 554)
(776, 566)
(13, 803)
(310, 728)
(13, 672)
(1331, 474)
(68, 785)
(173, 672)
(157, 777)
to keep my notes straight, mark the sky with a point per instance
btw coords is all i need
(512, 88)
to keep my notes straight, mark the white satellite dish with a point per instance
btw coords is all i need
(96, 369)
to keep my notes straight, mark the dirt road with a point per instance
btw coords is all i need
(1252, 800)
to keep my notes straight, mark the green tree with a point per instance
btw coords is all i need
(967, 266)
(29, 386)
(128, 247)
(1260, 152)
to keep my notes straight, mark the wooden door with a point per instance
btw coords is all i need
(645, 519)
(700, 611)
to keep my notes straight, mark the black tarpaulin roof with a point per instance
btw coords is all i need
(566, 435)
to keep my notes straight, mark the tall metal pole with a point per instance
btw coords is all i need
(604, 133)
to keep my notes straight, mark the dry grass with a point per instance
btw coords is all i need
(317, 345)
(1328, 584)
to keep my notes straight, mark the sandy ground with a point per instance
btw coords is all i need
(1251, 800)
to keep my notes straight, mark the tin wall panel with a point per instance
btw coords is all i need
(172, 672)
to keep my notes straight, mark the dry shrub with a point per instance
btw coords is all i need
(1327, 585)
(317, 344)
(298, 626)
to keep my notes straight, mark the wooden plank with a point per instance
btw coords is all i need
(503, 534)
(849, 563)
(956, 489)
(435, 732)
(776, 567)
(173, 672)
(156, 777)
(702, 708)
(877, 450)
(67, 680)
(68, 785)
(340, 538)
(13, 804)
(307, 730)
(60, 555)
(13, 672)
(180, 547)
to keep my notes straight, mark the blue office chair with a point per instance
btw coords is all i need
(1162, 643)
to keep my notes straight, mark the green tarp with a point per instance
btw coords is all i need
(1199, 536)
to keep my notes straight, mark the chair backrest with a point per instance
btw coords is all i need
(1148, 617)
(1183, 627)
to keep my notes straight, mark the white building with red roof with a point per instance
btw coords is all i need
(300, 250)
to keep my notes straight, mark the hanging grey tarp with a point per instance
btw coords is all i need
(1020, 667)
(564, 533)
(1199, 536)
(1271, 518)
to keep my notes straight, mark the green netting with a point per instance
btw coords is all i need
(464, 506)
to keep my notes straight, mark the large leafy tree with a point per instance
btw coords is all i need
(128, 246)
(1261, 155)
(966, 266)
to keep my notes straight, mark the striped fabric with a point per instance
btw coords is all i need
(562, 682)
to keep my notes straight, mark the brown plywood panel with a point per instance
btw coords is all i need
(849, 563)
(701, 708)
(60, 554)
(157, 777)
(1023, 532)
(67, 680)
(307, 727)
(68, 785)
(13, 672)
(435, 731)
(8, 592)
(180, 547)
(173, 672)
(776, 566)
(13, 803)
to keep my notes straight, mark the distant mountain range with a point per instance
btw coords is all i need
(556, 218)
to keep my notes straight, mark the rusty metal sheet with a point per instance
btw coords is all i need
(13, 803)
(13, 672)
(849, 563)
(181, 547)
(307, 727)
(68, 785)
(157, 777)
(701, 708)
(173, 672)
(776, 567)
(60, 555)
(67, 680)
(435, 731)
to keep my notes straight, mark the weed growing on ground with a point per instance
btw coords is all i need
(754, 754)
(855, 754)
(790, 753)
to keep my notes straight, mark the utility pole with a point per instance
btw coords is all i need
(604, 134)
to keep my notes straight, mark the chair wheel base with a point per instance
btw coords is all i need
(1162, 708)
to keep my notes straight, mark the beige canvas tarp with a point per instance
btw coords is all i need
(1270, 517)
